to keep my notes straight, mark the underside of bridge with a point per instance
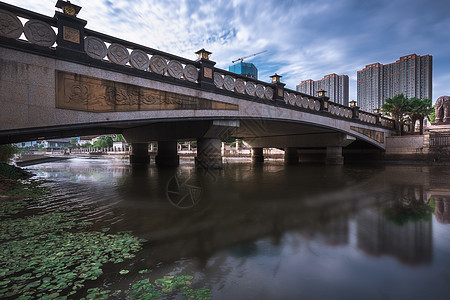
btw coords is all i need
(301, 142)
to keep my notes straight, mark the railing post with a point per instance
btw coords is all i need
(278, 93)
(323, 100)
(355, 109)
(70, 28)
(355, 112)
(206, 76)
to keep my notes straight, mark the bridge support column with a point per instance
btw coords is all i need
(334, 155)
(167, 154)
(290, 155)
(139, 153)
(257, 155)
(209, 153)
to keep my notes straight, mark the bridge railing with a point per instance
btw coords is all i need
(39, 33)
(28, 26)
(240, 84)
(105, 47)
(439, 140)
(337, 110)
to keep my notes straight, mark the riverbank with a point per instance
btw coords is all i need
(9, 179)
(416, 149)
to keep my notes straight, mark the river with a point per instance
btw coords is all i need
(270, 231)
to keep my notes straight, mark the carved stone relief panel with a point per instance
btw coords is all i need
(175, 69)
(118, 54)
(228, 83)
(39, 33)
(259, 91)
(218, 80)
(71, 34)
(10, 25)
(190, 73)
(373, 134)
(239, 85)
(139, 59)
(158, 64)
(268, 93)
(95, 47)
(250, 88)
(79, 92)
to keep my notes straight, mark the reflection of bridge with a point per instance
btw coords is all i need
(219, 220)
(71, 89)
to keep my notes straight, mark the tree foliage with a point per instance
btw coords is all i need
(400, 108)
(7, 152)
(397, 107)
(119, 138)
(432, 115)
(419, 109)
(105, 142)
(73, 141)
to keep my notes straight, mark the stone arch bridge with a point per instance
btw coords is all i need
(60, 79)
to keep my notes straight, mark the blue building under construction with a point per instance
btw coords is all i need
(246, 69)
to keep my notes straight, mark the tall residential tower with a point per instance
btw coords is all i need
(411, 76)
(335, 85)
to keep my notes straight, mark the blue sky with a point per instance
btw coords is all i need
(304, 39)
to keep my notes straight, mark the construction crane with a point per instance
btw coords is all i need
(242, 58)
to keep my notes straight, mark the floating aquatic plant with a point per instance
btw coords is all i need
(45, 258)
(52, 255)
(144, 289)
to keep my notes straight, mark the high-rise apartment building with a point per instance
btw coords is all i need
(411, 76)
(335, 85)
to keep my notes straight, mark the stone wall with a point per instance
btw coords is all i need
(405, 144)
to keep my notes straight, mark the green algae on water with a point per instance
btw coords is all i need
(41, 255)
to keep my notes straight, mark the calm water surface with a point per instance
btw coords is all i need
(271, 231)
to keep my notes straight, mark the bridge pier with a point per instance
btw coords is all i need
(167, 154)
(290, 155)
(257, 155)
(334, 155)
(209, 153)
(139, 153)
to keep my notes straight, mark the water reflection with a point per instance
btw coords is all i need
(249, 226)
(402, 228)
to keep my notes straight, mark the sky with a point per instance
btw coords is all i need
(304, 39)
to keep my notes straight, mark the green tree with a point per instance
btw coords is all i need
(105, 142)
(119, 138)
(7, 152)
(109, 142)
(419, 109)
(397, 107)
(73, 142)
(432, 115)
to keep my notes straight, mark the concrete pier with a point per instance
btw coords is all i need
(334, 155)
(290, 155)
(257, 155)
(209, 153)
(139, 153)
(167, 154)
